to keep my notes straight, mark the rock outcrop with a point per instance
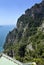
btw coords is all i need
(27, 40)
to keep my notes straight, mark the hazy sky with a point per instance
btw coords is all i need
(11, 10)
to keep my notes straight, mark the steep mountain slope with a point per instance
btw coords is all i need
(26, 42)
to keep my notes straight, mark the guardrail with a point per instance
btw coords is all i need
(14, 60)
(17, 62)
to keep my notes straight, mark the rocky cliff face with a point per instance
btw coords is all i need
(29, 35)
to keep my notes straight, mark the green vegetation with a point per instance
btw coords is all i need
(27, 40)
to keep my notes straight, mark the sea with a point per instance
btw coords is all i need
(4, 30)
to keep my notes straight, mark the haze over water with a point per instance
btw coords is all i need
(4, 30)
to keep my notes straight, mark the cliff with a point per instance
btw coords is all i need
(26, 42)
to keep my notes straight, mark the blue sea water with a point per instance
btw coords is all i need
(4, 30)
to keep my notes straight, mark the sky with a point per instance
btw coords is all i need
(11, 10)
